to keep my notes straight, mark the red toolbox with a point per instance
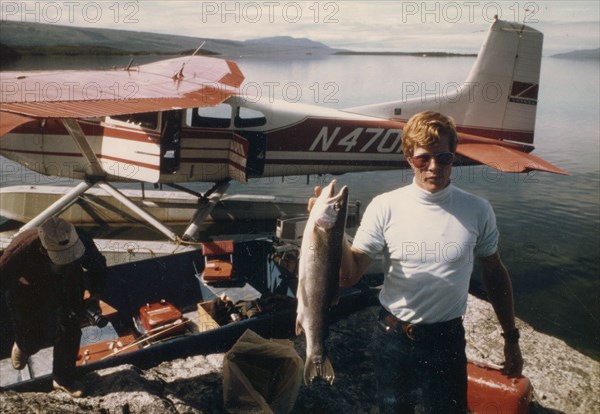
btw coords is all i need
(490, 391)
(154, 316)
(102, 350)
(218, 260)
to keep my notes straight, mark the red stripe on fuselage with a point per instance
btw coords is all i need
(525, 137)
(332, 135)
(42, 153)
(305, 134)
(131, 162)
(300, 161)
(78, 155)
(55, 127)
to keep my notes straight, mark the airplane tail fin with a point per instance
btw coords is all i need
(499, 98)
(505, 79)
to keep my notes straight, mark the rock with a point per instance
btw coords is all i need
(564, 380)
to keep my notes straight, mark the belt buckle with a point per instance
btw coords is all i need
(409, 331)
(391, 322)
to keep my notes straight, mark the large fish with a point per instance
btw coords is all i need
(320, 258)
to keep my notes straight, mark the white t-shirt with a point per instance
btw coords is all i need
(429, 242)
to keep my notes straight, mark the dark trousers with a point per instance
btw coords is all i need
(32, 310)
(426, 374)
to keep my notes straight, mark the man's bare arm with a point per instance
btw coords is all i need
(354, 265)
(498, 286)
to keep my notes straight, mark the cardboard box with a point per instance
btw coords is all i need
(291, 228)
(205, 321)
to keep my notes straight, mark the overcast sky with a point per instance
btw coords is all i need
(453, 26)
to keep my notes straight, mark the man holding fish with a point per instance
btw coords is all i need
(429, 233)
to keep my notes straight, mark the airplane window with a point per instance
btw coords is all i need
(247, 118)
(147, 120)
(209, 117)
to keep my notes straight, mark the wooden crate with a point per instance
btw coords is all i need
(205, 321)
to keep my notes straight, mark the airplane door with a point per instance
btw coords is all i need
(213, 151)
(257, 141)
(170, 142)
(130, 147)
(257, 145)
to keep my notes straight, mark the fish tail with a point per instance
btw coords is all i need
(323, 370)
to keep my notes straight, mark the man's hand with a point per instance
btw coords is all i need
(23, 281)
(513, 360)
(91, 297)
(313, 200)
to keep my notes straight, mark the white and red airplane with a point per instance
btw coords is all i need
(184, 120)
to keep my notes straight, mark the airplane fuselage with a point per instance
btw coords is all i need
(187, 122)
(240, 139)
(202, 129)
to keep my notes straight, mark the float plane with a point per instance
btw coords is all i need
(185, 120)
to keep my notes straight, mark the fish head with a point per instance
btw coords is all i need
(330, 208)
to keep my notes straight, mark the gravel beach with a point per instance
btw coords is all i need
(564, 380)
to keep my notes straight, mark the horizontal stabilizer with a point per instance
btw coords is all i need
(506, 159)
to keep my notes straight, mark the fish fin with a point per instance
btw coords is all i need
(313, 370)
(300, 292)
(299, 328)
(301, 299)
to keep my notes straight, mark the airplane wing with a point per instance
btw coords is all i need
(10, 121)
(185, 82)
(503, 156)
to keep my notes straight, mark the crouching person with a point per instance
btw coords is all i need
(44, 271)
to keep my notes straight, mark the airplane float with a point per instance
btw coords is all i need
(185, 120)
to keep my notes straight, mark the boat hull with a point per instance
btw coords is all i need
(174, 278)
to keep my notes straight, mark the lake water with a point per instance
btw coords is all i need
(549, 224)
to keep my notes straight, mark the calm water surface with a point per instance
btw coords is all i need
(549, 224)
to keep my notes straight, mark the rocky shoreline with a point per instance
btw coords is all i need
(564, 380)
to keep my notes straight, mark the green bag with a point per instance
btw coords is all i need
(261, 375)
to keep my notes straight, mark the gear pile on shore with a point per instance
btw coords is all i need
(564, 380)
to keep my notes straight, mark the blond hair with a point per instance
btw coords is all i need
(426, 129)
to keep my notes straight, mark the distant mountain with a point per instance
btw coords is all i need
(38, 39)
(285, 44)
(25, 36)
(580, 54)
(47, 39)
(419, 54)
(8, 53)
(302, 42)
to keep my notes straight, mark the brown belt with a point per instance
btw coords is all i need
(416, 331)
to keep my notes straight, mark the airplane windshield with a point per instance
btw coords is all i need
(248, 118)
(209, 117)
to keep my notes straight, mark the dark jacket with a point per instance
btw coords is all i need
(26, 257)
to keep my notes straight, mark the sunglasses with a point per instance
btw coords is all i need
(442, 158)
